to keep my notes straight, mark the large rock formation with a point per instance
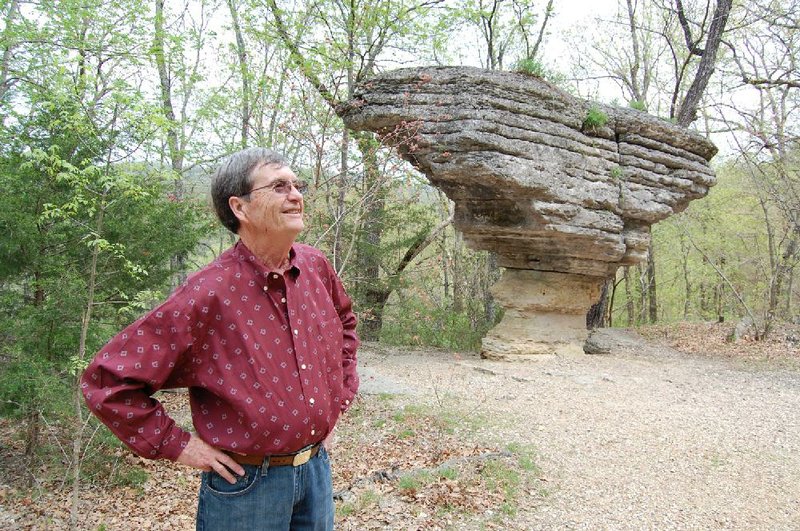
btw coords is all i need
(564, 191)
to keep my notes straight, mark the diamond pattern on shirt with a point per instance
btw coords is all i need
(253, 347)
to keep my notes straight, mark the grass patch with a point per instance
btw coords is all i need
(425, 459)
(414, 481)
(361, 504)
(448, 473)
(130, 476)
(406, 433)
(442, 419)
(525, 456)
(500, 477)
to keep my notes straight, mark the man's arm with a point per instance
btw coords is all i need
(344, 307)
(137, 362)
(119, 382)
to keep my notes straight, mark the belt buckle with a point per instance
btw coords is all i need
(302, 458)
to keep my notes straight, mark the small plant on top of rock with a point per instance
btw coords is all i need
(530, 66)
(595, 118)
(535, 68)
(638, 105)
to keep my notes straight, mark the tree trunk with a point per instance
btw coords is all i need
(688, 109)
(241, 53)
(651, 286)
(176, 154)
(596, 317)
(643, 290)
(629, 303)
(489, 304)
(339, 212)
(372, 290)
(781, 276)
(77, 436)
(444, 252)
(8, 49)
(703, 295)
(610, 310)
(686, 282)
(173, 144)
(32, 429)
(458, 280)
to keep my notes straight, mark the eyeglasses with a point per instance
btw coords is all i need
(282, 186)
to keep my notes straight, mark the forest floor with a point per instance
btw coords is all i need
(674, 428)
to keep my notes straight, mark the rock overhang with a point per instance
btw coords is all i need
(531, 178)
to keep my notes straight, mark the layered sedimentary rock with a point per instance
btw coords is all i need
(549, 182)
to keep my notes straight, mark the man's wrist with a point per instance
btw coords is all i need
(175, 444)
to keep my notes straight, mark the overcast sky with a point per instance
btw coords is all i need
(572, 14)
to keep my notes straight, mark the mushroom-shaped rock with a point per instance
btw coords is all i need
(564, 191)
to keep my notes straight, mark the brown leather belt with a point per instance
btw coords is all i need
(298, 458)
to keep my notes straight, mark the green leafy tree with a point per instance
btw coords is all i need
(339, 45)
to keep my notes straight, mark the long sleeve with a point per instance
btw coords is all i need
(138, 361)
(350, 342)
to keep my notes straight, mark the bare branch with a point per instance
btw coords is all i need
(691, 45)
(688, 109)
(298, 59)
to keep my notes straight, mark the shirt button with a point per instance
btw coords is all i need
(283, 299)
(265, 288)
(313, 432)
(274, 275)
(346, 402)
(310, 400)
(296, 332)
(303, 366)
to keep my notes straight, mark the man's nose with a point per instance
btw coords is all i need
(294, 194)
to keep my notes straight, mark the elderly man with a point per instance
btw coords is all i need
(264, 339)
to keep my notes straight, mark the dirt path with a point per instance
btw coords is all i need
(642, 438)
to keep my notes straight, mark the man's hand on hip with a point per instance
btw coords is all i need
(200, 455)
(327, 442)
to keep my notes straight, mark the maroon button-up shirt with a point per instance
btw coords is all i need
(269, 359)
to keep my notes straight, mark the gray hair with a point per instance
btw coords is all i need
(233, 179)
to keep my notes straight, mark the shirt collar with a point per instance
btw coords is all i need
(243, 254)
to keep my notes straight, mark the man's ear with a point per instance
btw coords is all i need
(237, 207)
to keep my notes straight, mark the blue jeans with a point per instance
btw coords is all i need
(278, 498)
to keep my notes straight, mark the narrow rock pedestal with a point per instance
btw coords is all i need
(545, 313)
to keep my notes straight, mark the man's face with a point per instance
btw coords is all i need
(270, 212)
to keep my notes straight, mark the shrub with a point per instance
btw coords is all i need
(413, 322)
(530, 66)
(595, 118)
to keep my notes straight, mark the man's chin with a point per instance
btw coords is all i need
(295, 229)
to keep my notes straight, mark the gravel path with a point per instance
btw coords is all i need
(641, 438)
